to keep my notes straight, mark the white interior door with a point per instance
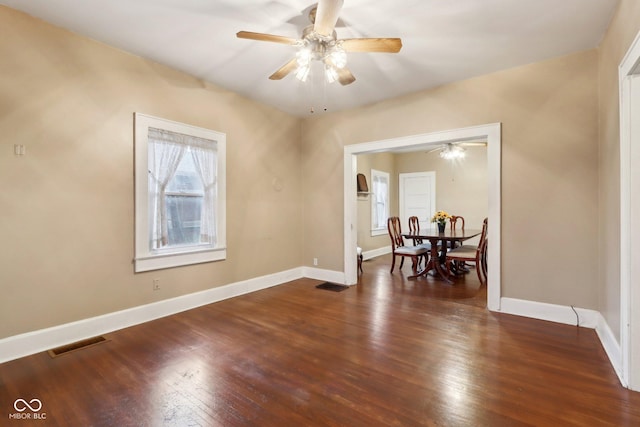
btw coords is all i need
(417, 197)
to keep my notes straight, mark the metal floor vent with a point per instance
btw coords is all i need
(78, 345)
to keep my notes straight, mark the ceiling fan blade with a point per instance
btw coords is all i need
(284, 70)
(388, 45)
(327, 16)
(266, 37)
(344, 76)
(438, 148)
(474, 144)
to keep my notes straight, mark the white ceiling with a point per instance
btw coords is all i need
(443, 40)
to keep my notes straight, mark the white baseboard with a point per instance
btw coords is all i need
(554, 313)
(45, 339)
(326, 275)
(564, 314)
(611, 347)
(376, 252)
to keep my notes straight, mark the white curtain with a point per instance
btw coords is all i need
(380, 191)
(204, 158)
(165, 153)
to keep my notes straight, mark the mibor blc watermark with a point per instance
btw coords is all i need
(28, 410)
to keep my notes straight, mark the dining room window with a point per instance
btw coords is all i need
(180, 194)
(379, 202)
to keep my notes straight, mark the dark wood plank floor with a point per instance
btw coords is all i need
(387, 352)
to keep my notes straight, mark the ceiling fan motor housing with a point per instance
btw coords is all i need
(318, 45)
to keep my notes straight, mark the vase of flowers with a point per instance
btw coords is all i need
(440, 218)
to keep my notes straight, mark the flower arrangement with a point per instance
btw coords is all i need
(440, 217)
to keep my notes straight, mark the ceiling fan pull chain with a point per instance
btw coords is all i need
(324, 93)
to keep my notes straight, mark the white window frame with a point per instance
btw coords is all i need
(147, 259)
(376, 176)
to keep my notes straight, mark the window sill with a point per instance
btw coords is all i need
(177, 259)
(379, 232)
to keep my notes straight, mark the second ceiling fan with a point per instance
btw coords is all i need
(455, 150)
(319, 42)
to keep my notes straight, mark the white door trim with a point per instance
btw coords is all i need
(492, 134)
(628, 285)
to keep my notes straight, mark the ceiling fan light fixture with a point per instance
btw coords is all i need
(303, 72)
(304, 55)
(452, 152)
(330, 73)
(338, 57)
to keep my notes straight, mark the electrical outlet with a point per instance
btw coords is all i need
(315, 261)
(156, 284)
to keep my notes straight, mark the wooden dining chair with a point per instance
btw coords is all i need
(398, 248)
(470, 253)
(456, 222)
(483, 257)
(414, 224)
(414, 228)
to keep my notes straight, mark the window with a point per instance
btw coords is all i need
(180, 194)
(379, 202)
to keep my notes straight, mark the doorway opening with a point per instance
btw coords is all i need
(491, 133)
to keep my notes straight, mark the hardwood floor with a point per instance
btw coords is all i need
(389, 351)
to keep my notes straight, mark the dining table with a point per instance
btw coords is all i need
(446, 238)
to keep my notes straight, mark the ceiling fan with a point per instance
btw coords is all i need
(319, 42)
(455, 150)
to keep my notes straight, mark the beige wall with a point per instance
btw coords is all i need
(67, 206)
(549, 118)
(622, 31)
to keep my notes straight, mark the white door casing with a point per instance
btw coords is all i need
(629, 86)
(634, 226)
